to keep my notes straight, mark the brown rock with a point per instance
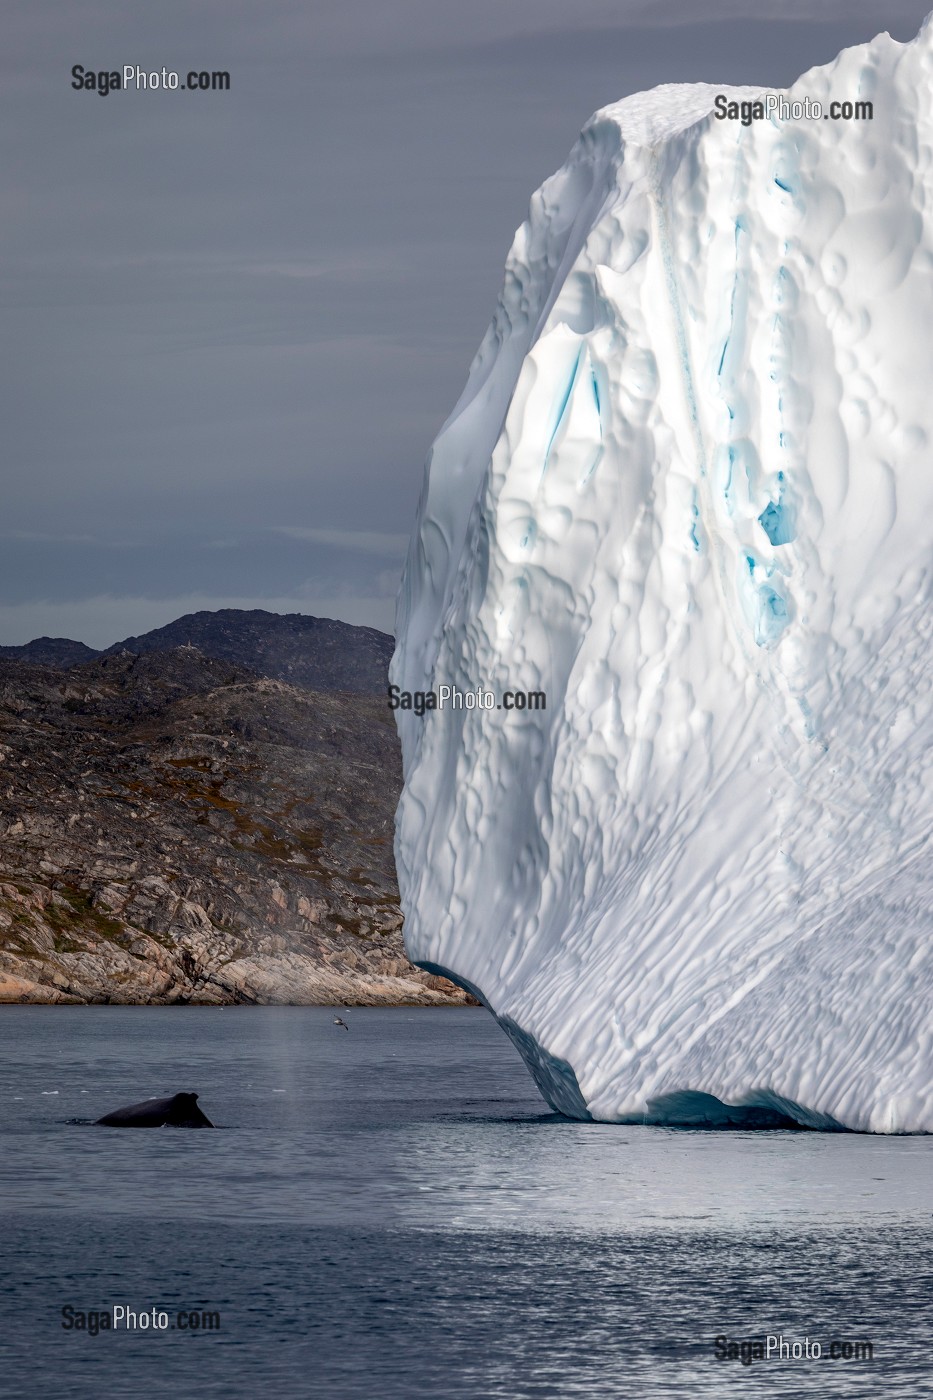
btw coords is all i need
(176, 828)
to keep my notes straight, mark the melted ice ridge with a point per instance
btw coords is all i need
(687, 492)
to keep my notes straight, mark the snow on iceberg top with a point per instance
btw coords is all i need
(645, 118)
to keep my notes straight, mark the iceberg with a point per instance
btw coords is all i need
(687, 494)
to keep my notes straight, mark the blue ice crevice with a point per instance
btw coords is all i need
(777, 519)
(562, 408)
(767, 610)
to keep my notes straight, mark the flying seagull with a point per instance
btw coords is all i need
(338, 1022)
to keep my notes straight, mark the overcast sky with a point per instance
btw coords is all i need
(233, 322)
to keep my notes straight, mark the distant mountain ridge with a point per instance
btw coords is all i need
(51, 651)
(311, 652)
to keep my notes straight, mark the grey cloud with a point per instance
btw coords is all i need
(365, 541)
(222, 312)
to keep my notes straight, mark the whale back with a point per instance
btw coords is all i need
(177, 1111)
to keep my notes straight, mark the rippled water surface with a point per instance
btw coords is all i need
(391, 1212)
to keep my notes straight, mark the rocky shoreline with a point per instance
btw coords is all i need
(175, 828)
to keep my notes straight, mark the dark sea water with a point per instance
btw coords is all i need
(391, 1212)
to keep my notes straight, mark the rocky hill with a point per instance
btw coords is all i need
(316, 653)
(176, 828)
(50, 651)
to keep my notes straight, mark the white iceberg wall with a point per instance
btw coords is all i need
(688, 492)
